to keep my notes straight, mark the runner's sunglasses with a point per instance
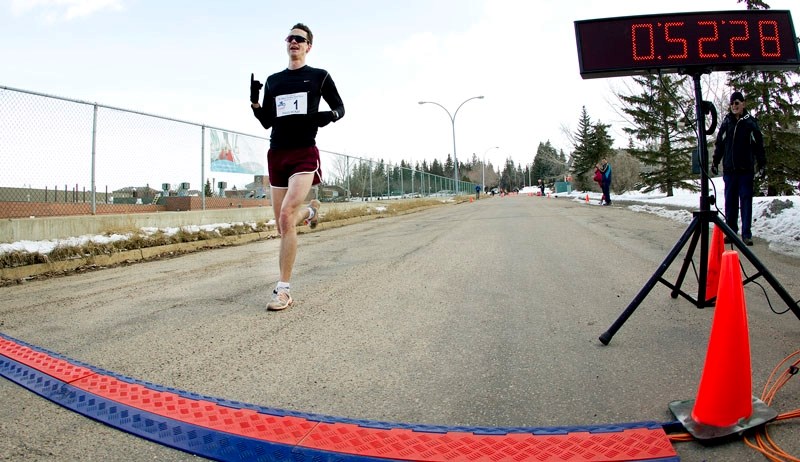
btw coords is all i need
(296, 38)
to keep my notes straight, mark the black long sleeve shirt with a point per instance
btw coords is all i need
(291, 106)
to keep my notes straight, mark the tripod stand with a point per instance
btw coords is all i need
(698, 231)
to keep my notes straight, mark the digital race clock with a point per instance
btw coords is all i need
(711, 41)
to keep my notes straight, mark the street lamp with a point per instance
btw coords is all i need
(483, 175)
(453, 122)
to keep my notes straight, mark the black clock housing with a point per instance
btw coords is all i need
(712, 41)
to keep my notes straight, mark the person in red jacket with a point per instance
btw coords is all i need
(604, 168)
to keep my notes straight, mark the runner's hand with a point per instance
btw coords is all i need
(323, 118)
(255, 87)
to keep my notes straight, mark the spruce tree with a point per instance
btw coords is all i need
(602, 145)
(546, 164)
(582, 159)
(436, 168)
(660, 140)
(448, 167)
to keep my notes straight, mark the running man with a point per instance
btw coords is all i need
(291, 108)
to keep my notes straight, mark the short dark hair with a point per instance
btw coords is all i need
(305, 28)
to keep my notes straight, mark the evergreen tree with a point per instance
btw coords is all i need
(773, 97)
(207, 191)
(396, 185)
(448, 167)
(379, 178)
(359, 179)
(418, 176)
(601, 144)
(582, 158)
(547, 164)
(436, 168)
(562, 159)
(665, 145)
(512, 175)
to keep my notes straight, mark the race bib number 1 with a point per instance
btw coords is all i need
(295, 103)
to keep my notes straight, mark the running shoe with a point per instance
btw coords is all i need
(312, 222)
(280, 300)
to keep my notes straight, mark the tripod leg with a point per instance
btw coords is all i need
(759, 267)
(686, 262)
(605, 338)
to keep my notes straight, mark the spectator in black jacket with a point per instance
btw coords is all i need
(740, 147)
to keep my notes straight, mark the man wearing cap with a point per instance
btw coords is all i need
(740, 147)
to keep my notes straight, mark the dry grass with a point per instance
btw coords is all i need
(138, 240)
(334, 213)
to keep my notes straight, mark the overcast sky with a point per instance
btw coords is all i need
(192, 59)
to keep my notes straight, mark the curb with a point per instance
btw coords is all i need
(21, 273)
(125, 257)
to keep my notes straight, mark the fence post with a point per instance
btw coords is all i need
(203, 166)
(94, 153)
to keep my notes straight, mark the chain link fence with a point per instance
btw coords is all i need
(68, 157)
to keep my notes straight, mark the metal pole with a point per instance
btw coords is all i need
(455, 157)
(94, 147)
(402, 184)
(453, 123)
(203, 167)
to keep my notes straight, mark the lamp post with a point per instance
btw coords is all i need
(453, 122)
(483, 174)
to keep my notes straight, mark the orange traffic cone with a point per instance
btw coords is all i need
(725, 405)
(725, 393)
(472, 199)
(587, 198)
(714, 261)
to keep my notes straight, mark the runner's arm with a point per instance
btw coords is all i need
(331, 96)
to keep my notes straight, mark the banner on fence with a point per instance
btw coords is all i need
(234, 153)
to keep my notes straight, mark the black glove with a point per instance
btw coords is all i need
(323, 118)
(255, 87)
(714, 170)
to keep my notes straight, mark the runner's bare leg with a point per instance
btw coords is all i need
(290, 211)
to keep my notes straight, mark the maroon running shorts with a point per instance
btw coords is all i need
(282, 164)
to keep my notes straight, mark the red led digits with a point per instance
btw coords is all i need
(682, 41)
(744, 37)
(765, 39)
(711, 38)
(651, 44)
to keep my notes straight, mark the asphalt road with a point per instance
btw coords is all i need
(478, 314)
